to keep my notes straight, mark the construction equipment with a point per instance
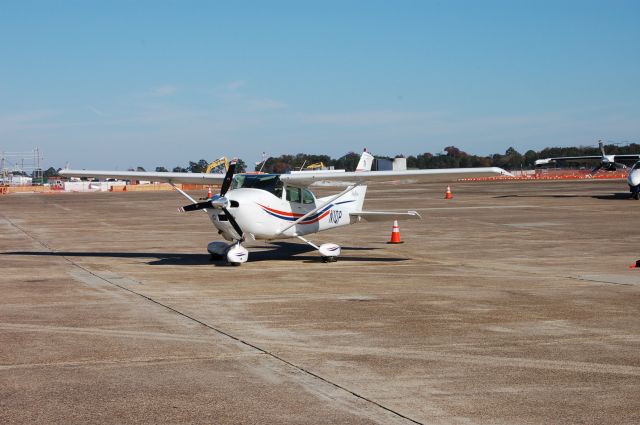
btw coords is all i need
(315, 166)
(218, 162)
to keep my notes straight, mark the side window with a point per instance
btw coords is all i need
(307, 197)
(293, 194)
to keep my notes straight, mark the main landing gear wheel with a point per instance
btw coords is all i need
(329, 259)
(329, 252)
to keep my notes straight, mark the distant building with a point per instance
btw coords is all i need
(397, 164)
(17, 180)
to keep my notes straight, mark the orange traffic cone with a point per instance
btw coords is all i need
(209, 195)
(448, 194)
(395, 233)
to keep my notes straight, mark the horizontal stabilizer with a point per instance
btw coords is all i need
(385, 215)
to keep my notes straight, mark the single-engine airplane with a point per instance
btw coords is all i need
(281, 206)
(607, 163)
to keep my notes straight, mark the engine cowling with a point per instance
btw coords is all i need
(634, 177)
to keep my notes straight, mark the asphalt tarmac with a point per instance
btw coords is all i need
(512, 303)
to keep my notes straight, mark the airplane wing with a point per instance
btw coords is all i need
(546, 161)
(308, 178)
(611, 158)
(194, 178)
(626, 158)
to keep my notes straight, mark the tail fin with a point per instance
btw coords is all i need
(366, 161)
(365, 164)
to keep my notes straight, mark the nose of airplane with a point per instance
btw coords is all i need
(634, 177)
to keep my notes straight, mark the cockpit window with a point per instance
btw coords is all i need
(293, 194)
(269, 182)
(307, 197)
(296, 194)
(636, 166)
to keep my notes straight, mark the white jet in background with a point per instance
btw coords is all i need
(281, 206)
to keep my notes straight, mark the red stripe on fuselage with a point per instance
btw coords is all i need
(285, 213)
(323, 215)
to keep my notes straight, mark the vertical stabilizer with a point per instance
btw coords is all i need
(365, 164)
(366, 161)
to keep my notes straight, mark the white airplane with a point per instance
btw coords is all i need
(281, 206)
(608, 163)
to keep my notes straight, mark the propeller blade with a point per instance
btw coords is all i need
(215, 202)
(597, 168)
(196, 206)
(234, 223)
(226, 184)
(601, 145)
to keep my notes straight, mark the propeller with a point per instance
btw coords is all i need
(607, 162)
(219, 201)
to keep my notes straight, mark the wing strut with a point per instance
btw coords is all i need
(183, 193)
(316, 209)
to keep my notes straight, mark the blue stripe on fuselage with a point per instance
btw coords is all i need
(313, 217)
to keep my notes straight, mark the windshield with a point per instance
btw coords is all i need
(269, 182)
(636, 166)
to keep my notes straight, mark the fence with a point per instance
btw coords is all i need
(555, 175)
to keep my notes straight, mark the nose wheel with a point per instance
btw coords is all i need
(235, 254)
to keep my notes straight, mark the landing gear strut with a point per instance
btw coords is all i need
(329, 251)
(635, 192)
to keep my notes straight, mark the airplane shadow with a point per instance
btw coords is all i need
(618, 196)
(282, 251)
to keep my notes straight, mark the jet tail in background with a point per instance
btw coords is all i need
(366, 162)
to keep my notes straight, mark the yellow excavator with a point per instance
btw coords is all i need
(218, 162)
(315, 166)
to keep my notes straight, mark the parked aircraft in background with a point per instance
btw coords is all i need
(607, 163)
(280, 206)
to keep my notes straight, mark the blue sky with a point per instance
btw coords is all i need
(109, 84)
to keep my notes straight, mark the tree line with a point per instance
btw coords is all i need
(450, 157)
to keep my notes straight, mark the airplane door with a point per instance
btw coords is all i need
(294, 196)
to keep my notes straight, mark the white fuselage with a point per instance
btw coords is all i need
(263, 215)
(634, 175)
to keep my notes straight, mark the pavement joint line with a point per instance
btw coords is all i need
(220, 331)
(582, 279)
